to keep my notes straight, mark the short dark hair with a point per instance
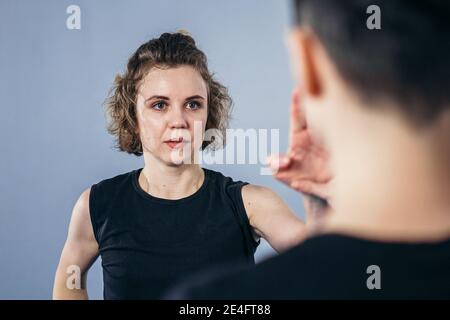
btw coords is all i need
(406, 61)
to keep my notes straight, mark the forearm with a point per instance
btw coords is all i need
(65, 294)
(64, 291)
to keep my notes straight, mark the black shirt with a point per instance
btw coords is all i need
(334, 267)
(147, 243)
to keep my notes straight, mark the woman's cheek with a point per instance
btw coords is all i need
(198, 132)
(152, 134)
(147, 141)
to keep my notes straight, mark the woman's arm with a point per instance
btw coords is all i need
(271, 218)
(79, 253)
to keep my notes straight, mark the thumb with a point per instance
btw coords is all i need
(278, 161)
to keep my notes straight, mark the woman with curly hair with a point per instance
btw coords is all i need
(157, 224)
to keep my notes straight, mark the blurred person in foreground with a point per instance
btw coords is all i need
(373, 108)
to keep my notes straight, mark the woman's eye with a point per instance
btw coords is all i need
(159, 106)
(193, 105)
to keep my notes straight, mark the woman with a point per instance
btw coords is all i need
(155, 225)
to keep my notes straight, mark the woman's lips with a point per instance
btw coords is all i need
(175, 143)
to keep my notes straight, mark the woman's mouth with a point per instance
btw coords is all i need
(176, 143)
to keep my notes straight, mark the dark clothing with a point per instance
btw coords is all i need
(335, 267)
(147, 243)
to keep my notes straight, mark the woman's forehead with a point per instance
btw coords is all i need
(173, 82)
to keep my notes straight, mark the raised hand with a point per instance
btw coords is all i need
(305, 166)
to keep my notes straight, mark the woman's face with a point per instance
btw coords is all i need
(170, 104)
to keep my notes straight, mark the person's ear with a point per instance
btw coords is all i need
(302, 47)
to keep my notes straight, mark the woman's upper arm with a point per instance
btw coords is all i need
(271, 218)
(81, 247)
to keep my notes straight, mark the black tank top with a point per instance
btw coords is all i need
(147, 244)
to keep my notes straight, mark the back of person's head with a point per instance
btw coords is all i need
(406, 61)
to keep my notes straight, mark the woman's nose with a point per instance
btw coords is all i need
(177, 119)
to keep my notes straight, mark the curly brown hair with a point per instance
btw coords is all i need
(168, 51)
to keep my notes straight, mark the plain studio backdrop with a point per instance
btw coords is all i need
(53, 83)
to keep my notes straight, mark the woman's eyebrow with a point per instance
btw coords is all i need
(167, 98)
(195, 97)
(157, 97)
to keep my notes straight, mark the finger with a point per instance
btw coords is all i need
(320, 190)
(278, 162)
(283, 176)
(297, 121)
(297, 117)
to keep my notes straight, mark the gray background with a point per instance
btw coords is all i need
(53, 82)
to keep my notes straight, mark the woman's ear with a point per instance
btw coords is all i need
(302, 47)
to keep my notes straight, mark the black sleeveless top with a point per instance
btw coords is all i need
(147, 244)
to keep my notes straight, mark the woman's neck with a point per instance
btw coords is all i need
(170, 181)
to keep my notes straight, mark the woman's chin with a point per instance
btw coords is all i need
(178, 158)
